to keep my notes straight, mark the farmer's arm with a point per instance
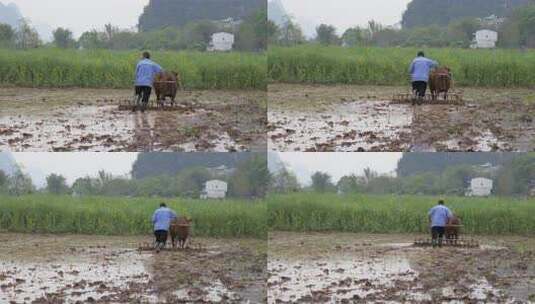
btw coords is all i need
(433, 63)
(411, 68)
(172, 214)
(157, 68)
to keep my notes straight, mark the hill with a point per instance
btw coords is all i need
(156, 164)
(442, 12)
(415, 162)
(159, 14)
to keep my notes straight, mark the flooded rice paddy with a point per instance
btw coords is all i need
(90, 120)
(357, 268)
(355, 118)
(87, 269)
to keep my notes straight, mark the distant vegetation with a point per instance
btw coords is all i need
(115, 69)
(422, 13)
(247, 178)
(158, 164)
(396, 214)
(513, 176)
(516, 29)
(389, 66)
(159, 14)
(128, 216)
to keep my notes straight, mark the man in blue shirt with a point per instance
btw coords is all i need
(420, 69)
(161, 219)
(439, 217)
(146, 69)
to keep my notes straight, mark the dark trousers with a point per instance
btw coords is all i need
(143, 94)
(419, 87)
(437, 234)
(161, 237)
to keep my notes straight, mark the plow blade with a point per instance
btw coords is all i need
(461, 243)
(452, 98)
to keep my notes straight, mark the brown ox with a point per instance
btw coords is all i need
(440, 82)
(180, 231)
(453, 228)
(166, 84)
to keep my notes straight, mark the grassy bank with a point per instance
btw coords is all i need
(128, 216)
(402, 214)
(115, 69)
(389, 66)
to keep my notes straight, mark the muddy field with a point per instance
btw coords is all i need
(90, 120)
(356, 118)
(359, 268)
(89, 269)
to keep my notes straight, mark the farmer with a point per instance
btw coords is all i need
(161, 219)
(145, 71)
(419, 70)
(438, 218)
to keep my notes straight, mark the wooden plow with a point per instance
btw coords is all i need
(128, 105)
(460, 243)
(190, 246)
(451, 99)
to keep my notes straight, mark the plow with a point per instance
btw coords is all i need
(190, 246)
(449, 99)
(128, 105)
(460, 243)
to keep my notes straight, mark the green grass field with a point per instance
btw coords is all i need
(128, 216)
(389, 66)
(396, 214)
(115, 69)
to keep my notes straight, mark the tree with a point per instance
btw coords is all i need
(4, 179)
(349, 184)
(86, 186)
(91, 40)
(291, 34)
(7, 34)
(355, 36)
(272, 32)
(191, 181)
(251, 178)
(20, 184)
(63, 38)
(461, 32)
(326, 35)
(321, 182)
(284, 181)
(56, 184)
(26, 37)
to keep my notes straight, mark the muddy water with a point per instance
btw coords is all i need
(90, 120)
(349, 126)
(355, 268)
(337, 279)
(104, 278)
(355, 118)
(68, 268)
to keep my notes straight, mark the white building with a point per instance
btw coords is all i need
(485, 39)
(480, 186)
(221, 42)
(214, 189)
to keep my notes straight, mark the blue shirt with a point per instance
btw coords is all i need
(162, 218)
(145, 71)
(420, 68)
(439, 215)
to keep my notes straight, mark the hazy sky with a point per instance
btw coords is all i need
(74, 165)
(338, 164)
(344, 13)
(81, 15)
